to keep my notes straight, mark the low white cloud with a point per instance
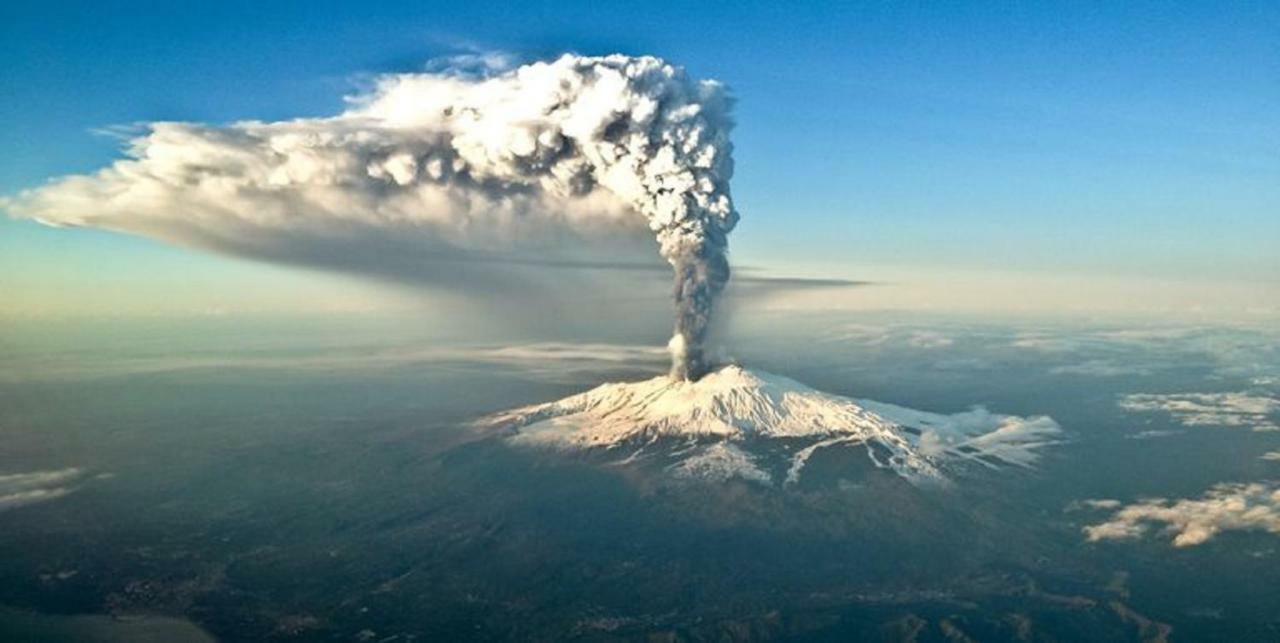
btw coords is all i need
(1194, 521)
(1094, 503)
(1069, 340)
(1243, 351)
(1105, 503)
(929, 339)
(1146, 335)
(1099, 368)
(873, 335)
(1154, 433)
(1239, 409)
(1043, 342)
(862, 334)
(21, 489)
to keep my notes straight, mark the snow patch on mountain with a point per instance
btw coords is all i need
(720, 462)
(727, 423)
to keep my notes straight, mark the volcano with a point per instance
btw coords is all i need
(760, 427)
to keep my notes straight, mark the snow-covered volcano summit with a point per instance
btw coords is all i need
(732, 420)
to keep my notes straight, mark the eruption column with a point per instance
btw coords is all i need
(529, 161)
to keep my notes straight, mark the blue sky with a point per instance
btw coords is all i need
(1082, 141)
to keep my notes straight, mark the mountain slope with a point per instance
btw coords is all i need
(732, 422)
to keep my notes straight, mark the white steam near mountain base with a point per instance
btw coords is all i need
(446, 176)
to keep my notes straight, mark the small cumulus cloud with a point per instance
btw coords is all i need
(1153, 433)
(1238, 409)
(929, 339)
(1094, 503)
(1193, 521)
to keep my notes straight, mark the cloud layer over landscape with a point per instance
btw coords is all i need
(1238, 409)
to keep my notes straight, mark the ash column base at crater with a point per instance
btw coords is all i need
(701, 273)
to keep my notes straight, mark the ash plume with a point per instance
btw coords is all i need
(546, 163)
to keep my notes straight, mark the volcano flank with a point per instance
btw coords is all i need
(760, 427)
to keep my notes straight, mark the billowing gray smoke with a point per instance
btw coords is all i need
(534, 163)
